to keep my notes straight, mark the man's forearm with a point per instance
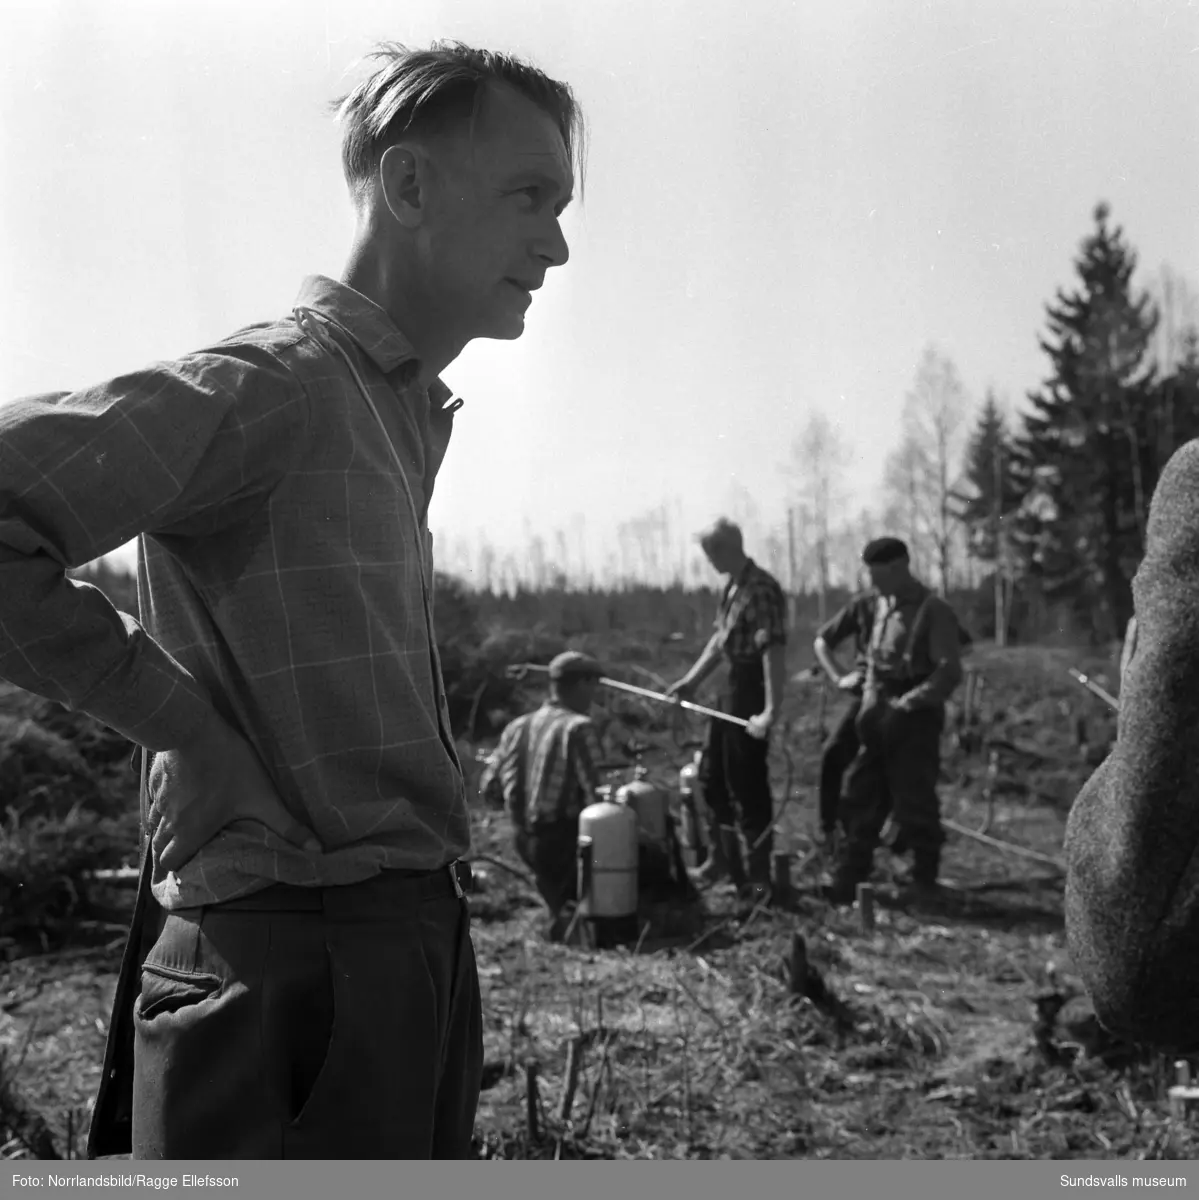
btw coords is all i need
(68, 643)
(827, 658)
(707, 662)
(938, 687)
(775, 672)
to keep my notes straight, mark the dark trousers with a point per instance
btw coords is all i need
(735, 772)
(311, 1023)
(551, 853)
(894, 772)
(838, 752)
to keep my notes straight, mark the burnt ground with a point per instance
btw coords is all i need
(917, 1039)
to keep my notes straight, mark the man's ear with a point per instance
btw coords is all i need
(404, 180)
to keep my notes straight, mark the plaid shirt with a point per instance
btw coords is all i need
(546, 766)
(752, 615)
(284, 565)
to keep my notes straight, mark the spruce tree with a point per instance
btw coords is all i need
(1080, 457)
(988, 470)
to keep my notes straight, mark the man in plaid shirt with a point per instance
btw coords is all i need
(751, 636)
(300, 981)
(544, 772)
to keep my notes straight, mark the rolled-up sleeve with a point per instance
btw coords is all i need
(842, 625)
(178, 448)
(769, 616)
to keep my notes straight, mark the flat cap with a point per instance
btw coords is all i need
(884, 550)
(574, 665)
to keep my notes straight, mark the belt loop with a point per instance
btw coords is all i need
(453, 869)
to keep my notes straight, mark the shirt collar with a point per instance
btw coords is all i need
(369, 326)
(908, 593)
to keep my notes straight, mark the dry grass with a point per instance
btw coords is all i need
(928, 1054)
(694, 1045)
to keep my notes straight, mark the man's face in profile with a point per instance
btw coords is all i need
(494, 229)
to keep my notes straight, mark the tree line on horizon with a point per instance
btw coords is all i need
(1040, 512)
(1033, 519)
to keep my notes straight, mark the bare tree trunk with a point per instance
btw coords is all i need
(791, 572)
(997, 547)
(822, 561)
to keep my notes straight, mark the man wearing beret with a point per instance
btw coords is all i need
(544, 772)
(751, 636)
(913, 665)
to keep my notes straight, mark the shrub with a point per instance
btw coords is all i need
(45, 862)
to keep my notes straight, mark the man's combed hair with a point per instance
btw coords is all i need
(722, 531)
(420, 91)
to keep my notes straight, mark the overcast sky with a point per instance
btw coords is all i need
(782, 210)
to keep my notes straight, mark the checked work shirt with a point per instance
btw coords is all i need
(752, 615)
(284, 566)
(546, 766)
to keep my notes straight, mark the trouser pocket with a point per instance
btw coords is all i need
(198, 1085)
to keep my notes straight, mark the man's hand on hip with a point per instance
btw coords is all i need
(850, 681)
(209, 783)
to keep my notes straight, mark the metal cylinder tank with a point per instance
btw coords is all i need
(651, 806)
(608, 864)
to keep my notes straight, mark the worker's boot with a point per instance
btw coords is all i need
(758, 863)
(921, 886)
(732, 857)
(854, 864)
(715, 867)
(925, 866)
(896, 839)
(724, 860)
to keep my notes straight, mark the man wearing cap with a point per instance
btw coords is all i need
(751, 636)
(544, 772)
(854, 621)
(913, 665)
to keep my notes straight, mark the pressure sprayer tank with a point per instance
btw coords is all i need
(607, 862)
(652, 808)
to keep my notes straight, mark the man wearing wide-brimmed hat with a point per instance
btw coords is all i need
(913, 665)
(544, 772)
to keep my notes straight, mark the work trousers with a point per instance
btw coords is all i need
(735, 771)
(550, 850)
(311, 1023)
(838, 752)
(895, 771)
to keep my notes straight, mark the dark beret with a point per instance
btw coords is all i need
(884, 550)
